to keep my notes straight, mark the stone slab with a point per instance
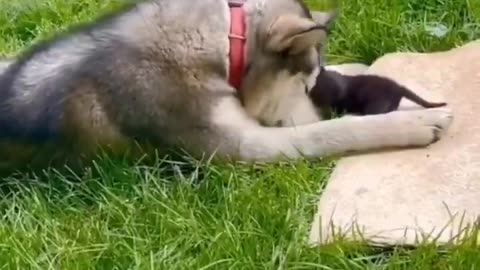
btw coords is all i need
(405, 197)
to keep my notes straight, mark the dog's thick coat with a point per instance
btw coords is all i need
(155, 75)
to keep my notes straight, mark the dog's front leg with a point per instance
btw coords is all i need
(249, 141)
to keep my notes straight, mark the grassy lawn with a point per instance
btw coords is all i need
(192, 215)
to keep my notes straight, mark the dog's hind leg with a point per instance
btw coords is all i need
(245, 140)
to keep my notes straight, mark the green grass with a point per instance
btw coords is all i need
(194, 215)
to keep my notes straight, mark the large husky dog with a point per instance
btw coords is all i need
(157, 74)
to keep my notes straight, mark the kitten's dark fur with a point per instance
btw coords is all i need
(361, 94)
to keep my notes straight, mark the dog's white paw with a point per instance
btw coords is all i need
(423, 127)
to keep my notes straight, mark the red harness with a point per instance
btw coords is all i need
(237, 55)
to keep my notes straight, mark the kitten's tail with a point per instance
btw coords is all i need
(420, 101)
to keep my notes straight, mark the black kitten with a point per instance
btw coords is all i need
(361, 94)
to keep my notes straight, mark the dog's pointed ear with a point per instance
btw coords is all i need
(293, 34)
(326, 19)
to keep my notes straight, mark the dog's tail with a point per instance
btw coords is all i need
(419, 100)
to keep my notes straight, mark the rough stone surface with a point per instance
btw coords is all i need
(410, 196)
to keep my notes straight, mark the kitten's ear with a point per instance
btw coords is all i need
(294, 34)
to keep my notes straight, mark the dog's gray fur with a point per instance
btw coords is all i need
(155, 75)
